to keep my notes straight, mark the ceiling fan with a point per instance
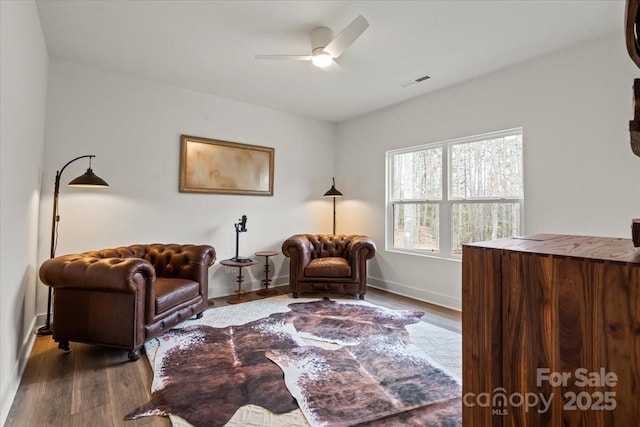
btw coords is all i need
(324, 47)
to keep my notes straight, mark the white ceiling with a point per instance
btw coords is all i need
(209, 46)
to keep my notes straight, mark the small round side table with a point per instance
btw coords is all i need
(266, 291)
(240, 297)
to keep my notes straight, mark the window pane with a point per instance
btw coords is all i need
(415, 226)
(490, 168)
(477, 222)
(418, 175)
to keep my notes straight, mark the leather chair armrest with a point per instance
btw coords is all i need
(193, 262)
(183, 261)
(200, 254)
(361, 246)
(299, 249)
(360, 249)
(125, 275)
(188, 261)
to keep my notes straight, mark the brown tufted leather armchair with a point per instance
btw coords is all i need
(124, 296)
(328, 263)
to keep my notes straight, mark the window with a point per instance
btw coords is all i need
(443, 195)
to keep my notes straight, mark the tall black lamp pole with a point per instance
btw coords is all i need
(333, 192)
(87, 179)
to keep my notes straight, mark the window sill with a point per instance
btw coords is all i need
(435, 255)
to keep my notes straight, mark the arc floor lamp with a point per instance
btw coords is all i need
(87, 179)
(333, 192)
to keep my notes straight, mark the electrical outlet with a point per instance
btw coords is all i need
(229, 270)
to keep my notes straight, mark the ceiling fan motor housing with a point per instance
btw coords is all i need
(320, 38)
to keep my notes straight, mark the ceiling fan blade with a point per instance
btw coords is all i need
(289, 57)
(342, 41)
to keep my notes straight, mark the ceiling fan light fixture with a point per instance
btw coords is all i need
(322, 59)
(324, 46)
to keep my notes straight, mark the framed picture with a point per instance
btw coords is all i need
(213, 166)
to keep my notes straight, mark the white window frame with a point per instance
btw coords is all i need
(445, 234)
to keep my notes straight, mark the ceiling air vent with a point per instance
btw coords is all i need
(416, 80)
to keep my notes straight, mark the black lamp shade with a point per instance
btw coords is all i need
(88, 179)
(333, 192)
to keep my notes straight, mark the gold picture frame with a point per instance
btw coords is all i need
(223, 167)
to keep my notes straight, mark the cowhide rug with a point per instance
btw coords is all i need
(373, 375)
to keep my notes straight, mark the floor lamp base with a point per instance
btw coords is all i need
(44, 331)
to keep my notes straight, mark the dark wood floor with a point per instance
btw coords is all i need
(96, 386)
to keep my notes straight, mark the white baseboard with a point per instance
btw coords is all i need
(40, 320)
(385, 285)
(248, 285)
(419, 294)
(396, 288)
(10, 388)
(256, 284)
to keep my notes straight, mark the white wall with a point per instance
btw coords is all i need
(133, 127)
(23, 85)
(580, 174)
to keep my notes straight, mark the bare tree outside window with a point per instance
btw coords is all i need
(415, 226)
(444, 195)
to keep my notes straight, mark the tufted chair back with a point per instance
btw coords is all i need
(329, 245)
(168, 260)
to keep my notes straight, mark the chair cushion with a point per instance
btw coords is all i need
(328, 267)
(171, 292)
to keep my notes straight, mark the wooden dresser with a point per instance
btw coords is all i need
(551, 332)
